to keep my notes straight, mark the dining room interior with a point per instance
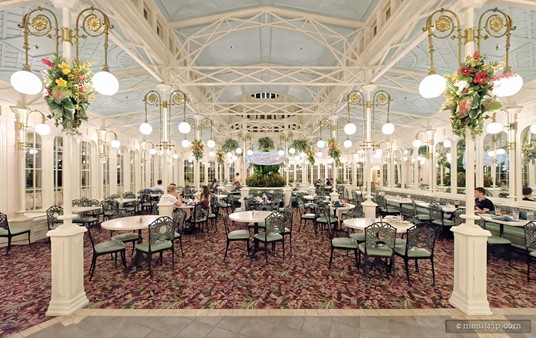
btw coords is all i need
(260, 159)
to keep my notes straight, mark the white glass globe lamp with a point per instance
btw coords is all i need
(281, 152)
(350, 128)
(42, 129)
(229, 154)
(105, 83)
(115, 144)
(447, 143)
(417, 143)
(211, 144)
(320, 143)
(175, 156)
(146, 128)
(319, 154)
(152, 151)
(494, 127)
(508, 85)
(533, 128)
(491, 153)
(432, 86)
(249, 152)
(388, 128)
(347, 143)
(500, 151)
(184, 127)
(379, 151)
(292, 151)
(26, 82)
(185, 143)
(238, 150)
(211, 154)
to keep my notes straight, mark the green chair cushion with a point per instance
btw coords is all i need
(384, 251)
(157, 246)
(413, 252)
(238, 234)
(496, 240)
(211, 215)
(129, 236)
(110, 246)
(325, 219)
(308, 216)
(532, 253)
(344, 242)
(176, 235)
(14, 231)
(272, 237)
(359, 236)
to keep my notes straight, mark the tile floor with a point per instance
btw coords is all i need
(269, 323)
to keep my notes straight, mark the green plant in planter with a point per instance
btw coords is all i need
(266, 144)
(229, 145)
(301, 145)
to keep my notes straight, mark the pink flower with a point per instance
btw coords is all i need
(481, 78)
(476, 55)
(47, 62)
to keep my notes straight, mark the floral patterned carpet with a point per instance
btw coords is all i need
(202, 280)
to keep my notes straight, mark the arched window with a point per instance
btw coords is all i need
(188, 172)
(86, 159)
(34, 172)
(58, 170)
(105, 160)
(132, 170)
(120, 172)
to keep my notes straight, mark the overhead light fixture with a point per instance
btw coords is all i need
(249, 152)
(447, 143)
(347, 143)
(185, 143)
(292, 151)
(238, 150)
(211, 144)
(41, 128)
(321, 144)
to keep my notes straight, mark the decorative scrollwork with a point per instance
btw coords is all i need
(443, 23)
(40, 23)
(354, 98)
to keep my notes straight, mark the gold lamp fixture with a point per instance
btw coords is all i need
(114, 143)
(41, 128)
(40, 22)
(495, 127)
(493, 23)
(153, 98)
(379, 98)
(208, 124)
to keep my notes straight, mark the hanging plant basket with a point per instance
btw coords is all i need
(301, 145)
(266, 144)
(229, 145)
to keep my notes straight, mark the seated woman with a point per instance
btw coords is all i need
(205, 197)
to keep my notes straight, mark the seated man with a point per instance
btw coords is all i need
(482, 203)
(172, 196)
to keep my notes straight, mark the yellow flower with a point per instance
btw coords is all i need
(64, 68)
(61, 82)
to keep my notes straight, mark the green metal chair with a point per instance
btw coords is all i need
(241, 235)
(104, 248)
(419, 244)
(379, 244)
(160, 239)
(530, 244)
(274, 227)
(10, 232)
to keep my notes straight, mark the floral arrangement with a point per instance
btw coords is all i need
(266, 144)
(469, 94)
(265, 180)
(220, 155)
(310, 156)
(528, 150)
(197, 149)
(334, 149)
(68, 91)
(229, 145)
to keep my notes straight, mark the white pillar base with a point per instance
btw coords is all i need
(287, 194)
(67, 250)
(244, 192)
(470, 270)
(369, 208)
(334, 196)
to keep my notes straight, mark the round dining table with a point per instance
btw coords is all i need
(252, 216)
(362, 223)
(129, 223)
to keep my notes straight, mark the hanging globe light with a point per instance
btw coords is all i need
(432, 86)
(350, 128)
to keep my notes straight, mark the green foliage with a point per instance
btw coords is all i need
(229, 145)
(266, 144)
(268, 180)
(301, 145)
(334, 149)
(265, 169)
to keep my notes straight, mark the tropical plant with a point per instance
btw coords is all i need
(469, 95)
(197, 149)
(528, 150)
(266, 144)
(229, 145)
(310, 156)
(220, 155)
(334, 149)
(68, 91)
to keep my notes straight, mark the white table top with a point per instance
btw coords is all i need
(126, 200)
(78, 210)
(250, 216)
(221, 195)
(129, 223)
(489, 218)
(362, 223)
(400, 200)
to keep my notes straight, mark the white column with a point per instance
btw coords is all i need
(470, 241)
(67, 240)
(165, 142)
(181, 171)
(369, 207)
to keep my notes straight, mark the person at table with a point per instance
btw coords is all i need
(482, 203)
(158, 186)
(205, 197)
(172, 196)
(527, 194)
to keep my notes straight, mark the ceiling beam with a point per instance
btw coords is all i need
(247, 12)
